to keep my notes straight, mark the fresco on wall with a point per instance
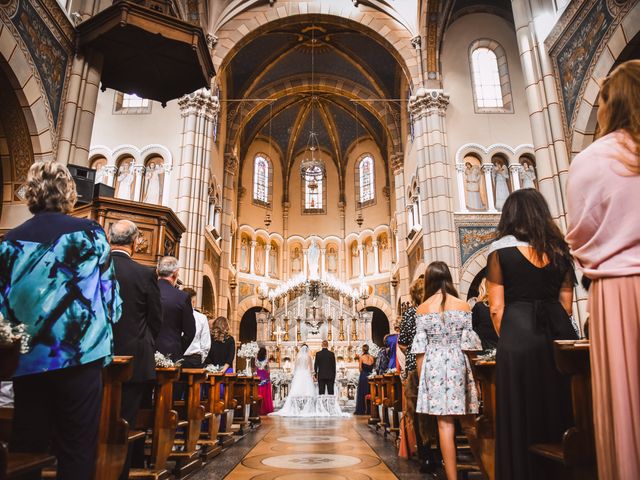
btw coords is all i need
(575, 56)
(473, 238)
(382, 290)
(245, 290)
(49, 57)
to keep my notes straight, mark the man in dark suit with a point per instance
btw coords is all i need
(325, 369)
(141, 319)
(178, 324)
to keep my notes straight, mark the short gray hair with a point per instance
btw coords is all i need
(167, 266)
(123, 232)
(50, 187)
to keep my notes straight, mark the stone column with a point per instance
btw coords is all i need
(224, 291)
(286, 272)
(397, 164)
(267, 249)
(361, 258)
(376, 258)
(462, 199)
(323, 262)
(487, 168)
(515, 176)
(304, 267)
(252, 258)
(138, 175)
(428, 108)
(342, 253)
(199, 111)
(552, 160)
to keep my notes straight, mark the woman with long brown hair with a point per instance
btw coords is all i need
(530, 281)
(443, 330)
(604, 233)
(223, 345)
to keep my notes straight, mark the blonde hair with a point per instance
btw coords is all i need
(483, 293)
(621, 101)
(220, 329)
(416, 290)
(50, 188)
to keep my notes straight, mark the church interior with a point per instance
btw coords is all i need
(305, 161)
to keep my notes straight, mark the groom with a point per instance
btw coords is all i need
(325, 369)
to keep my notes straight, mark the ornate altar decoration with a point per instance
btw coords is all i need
(159, 227)
(310, 309)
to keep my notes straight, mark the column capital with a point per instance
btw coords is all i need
(199, 103)
(516, 168)
(427, 101)
(487, 167)
(397, 163)
(267, 247)
(416, 42)
(254, 243)
(230, 163)
(374, 243)
(460, 167)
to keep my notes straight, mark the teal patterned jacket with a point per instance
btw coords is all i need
(56, 277)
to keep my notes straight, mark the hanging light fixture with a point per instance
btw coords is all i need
(312, 167)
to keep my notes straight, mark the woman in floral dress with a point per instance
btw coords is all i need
(443, 331)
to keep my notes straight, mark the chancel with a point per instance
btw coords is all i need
(355, 197)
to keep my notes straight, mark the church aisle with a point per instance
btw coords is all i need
(317, 448)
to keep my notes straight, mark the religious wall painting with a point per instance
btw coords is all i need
(99, 164)
(384, 252)
(296, 258)
(245, 290)
(383, 290)
(332, 258)
(528, 177)
(49, 57)
(574, 58)
(274, 258)
(153, 185)
(501, 180)
(125, 179)
(473, 238)
(474, 184)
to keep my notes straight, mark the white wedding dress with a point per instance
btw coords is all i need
(303, 399)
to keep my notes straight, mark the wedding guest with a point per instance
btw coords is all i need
(58, 280)
(392, 344)
(139, 325)
(530, 281)
(481, 319)
(223, 346)
(604, 234)
(264, 388)
(196, 353)
(446, 389)
(178, 325)
(365, 365)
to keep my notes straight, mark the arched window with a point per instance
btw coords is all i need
(314, 191)
(262, 180)
(490, 77)
(365, 185)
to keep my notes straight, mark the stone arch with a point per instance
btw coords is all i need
(471, 268)
(234, 30)
(382, 304)
(584, 128)
(248, 303)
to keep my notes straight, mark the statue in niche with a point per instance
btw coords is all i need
(385, 254)
(369, 259)
(332, 260)
(100, 166)
(296, 260)
(473, 177)
(355, 261)
(259, 259)
(528, 175)
(273, 262)
(152, 183)
(244, 255)
(313, 257)
(124, 189)
(501, 181)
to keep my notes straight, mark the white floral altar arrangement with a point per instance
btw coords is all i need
(280, 377)
(165, 362)
(11, 333)
(352, 377)
(248, 350)
(213, 368)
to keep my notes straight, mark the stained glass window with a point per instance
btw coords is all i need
(261, 179)
(486, 78)
(313, 189)
(365, 176)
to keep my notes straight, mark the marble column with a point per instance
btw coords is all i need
(323, 262)
(267, 260)
(428, 109)
(462, 198)
(397, 165)
(138, 175)
(199, 111)
(286, 272)
(228, 201)
(252, 258)
(515, 171)
(552, 159)
(304, 267)
(376, 258)
(487, 169)
(343, 248)
(361, 259)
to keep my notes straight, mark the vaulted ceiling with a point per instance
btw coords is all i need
(337, 78)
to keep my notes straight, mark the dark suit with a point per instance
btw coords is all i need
(178, 325)
(136, 332)
(325, 369)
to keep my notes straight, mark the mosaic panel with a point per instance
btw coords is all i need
(383, 290)
(473, 238)
(245, 290)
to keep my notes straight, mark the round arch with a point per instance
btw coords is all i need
(471, 269)
(379, 325)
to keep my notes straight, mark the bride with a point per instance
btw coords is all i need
(303, 399)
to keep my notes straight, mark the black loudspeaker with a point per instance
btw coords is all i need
(102, 190)
(84, 178)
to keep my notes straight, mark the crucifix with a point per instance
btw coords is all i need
(279, 332)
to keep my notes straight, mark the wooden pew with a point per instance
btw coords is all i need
(393, 402)
(256, 402)
(191, 413)
(381, 395)
(242, 395)
(15, 465)
(484, 373)
(374, 418)
(575, 454)
(226, 434)
(215, 408)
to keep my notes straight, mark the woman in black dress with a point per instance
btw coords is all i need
(481, 319)
(530, 280)
(223, 346)
(366, 366)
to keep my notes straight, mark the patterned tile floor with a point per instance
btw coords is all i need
(310, 449)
